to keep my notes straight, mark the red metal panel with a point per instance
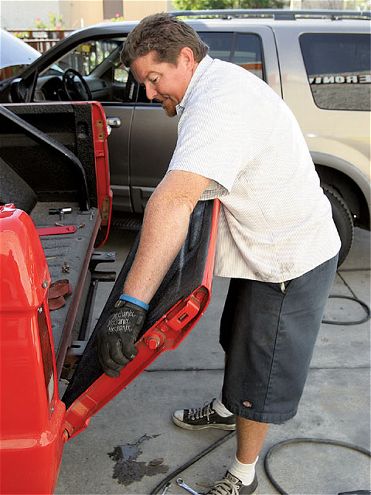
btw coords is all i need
(33, 421)
(104, 192)
(31, 414)
(59, 230)
(164, 335)
(23, 266)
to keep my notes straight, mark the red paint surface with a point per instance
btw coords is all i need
(31, 418)
(164, 335)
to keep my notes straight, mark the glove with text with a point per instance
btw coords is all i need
(117, 336)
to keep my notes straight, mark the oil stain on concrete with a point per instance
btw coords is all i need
(127, 469)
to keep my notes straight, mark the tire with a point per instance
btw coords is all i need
(343, 220)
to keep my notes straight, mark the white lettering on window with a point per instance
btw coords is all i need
(339, 79)
(366, 78)
(328, 80)
(362, 79)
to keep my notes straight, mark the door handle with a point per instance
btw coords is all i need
(114, 121)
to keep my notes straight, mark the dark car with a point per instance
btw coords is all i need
(317, 61)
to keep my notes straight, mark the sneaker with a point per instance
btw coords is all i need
(230, 485)
(203, 417)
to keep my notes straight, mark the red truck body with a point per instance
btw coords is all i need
(32, 415)
(35, 421)
(31, 412)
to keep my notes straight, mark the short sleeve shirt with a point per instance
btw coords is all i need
(275, 222)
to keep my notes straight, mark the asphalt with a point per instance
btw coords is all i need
(131, 445)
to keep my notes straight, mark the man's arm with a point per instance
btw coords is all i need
(164, 230)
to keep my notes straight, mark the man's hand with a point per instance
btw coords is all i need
(117, 336)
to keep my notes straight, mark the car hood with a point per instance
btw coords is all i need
(14, 52)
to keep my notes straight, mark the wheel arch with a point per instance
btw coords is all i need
(349, 182)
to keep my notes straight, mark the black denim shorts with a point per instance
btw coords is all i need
(268, 332)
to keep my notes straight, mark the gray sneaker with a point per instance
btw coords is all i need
(203, 417)
(230, 485)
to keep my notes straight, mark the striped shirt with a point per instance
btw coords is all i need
(275, 222)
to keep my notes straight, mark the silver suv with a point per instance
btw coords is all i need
(317, 61)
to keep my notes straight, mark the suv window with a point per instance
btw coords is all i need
(220, 44)
(87, 56)
(248, 53)
(338, 70)
(241, 49)
(98, 62)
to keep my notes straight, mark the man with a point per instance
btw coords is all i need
(237, 141)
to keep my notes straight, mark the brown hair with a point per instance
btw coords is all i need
(166, 36)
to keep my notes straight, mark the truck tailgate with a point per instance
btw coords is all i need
(174, 310)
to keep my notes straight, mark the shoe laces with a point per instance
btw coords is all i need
(225, 487)
(200, 412)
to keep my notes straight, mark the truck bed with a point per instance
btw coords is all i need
(68, 257)
(50, 155)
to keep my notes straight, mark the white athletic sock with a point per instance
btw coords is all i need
(221, 409)
(244, 472)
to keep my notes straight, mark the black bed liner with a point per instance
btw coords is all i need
(68, 257)
(184, 276)
(47, 161)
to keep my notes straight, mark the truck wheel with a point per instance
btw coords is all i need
(343, 221)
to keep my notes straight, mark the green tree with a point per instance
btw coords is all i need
(261, 4)
(202, 4)
(227, 4)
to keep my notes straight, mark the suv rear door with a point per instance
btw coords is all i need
(326, 83)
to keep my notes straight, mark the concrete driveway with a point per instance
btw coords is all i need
(132, 445)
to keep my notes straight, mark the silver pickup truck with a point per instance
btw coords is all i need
(317, 61)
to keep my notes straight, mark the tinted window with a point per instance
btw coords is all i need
(338, 69)
(220, 44)
(87, 56)
(242, 49)
(248, 53)
(98, 62)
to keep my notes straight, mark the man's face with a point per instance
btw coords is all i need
(164, 82)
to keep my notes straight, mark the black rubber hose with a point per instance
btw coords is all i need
(357, 322)
(325, 441)
(189, 463)
(267, 459)
(270, 452)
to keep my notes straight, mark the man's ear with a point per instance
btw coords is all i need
(188, 56)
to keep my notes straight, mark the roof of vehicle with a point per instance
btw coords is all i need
(275, 14)
(226, 20)
(240, 19)
(298, 25)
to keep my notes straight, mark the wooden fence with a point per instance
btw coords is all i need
(40, 39)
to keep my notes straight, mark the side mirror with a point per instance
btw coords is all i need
(21, 89)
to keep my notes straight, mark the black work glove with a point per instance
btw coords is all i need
(117, 335)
